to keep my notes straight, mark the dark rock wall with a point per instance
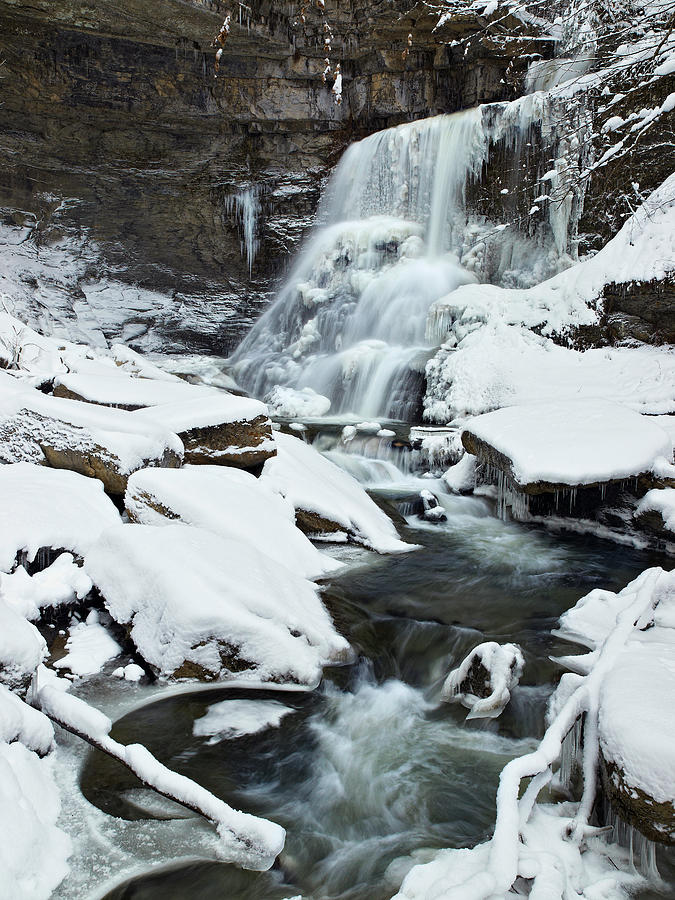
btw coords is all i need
(115, 107)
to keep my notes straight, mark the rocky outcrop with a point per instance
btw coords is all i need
(155, 169)
(653, 819)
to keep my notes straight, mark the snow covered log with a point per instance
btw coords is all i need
(228, 502)
(545, 447)
(636, 725)
(125, 391)
(484, 680)
(246, 840)
(221, 429)
(326, 499)
(49, 510)
(98, 442)
(200, 605)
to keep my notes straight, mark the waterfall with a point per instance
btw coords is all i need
(400, 226)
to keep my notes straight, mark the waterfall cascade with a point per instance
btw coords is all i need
(409, 215)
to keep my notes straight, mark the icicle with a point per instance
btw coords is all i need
(246, 207)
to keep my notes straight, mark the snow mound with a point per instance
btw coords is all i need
(52, 508)
(89, 647)
(236, 718)
(20, 722)
(199, 602)
(216, 408)
(61, 583)
(22, 647)
(572, 443)
(231, 503)
(297, 404)
(312, 483)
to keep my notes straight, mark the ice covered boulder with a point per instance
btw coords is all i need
(636, 722)
(126, 391)
(326, 499)
(545, 447)
(656, 512)
(49, 510)
(484, 680)
(98, 442)
(200, 605)
(231, 503)
(221, 429)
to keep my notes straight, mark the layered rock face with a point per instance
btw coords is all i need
(118, 142)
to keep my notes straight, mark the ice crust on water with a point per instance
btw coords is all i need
(573, 442)
(236, 718)
(52, 508)
(188, 593)
(231, 503)
(310, 482)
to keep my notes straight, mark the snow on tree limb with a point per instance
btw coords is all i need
(246, 840)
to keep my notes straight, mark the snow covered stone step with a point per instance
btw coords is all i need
(547, 447)
(98, 442)
(326, 499)
(199, 605)
(636, 720)
(125, 391)
(231, 503)
(218, 428)
(49, 510)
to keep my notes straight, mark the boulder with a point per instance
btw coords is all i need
(126, 392)
(221, 429)
(484, 680)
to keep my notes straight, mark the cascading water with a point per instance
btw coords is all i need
(396, 233)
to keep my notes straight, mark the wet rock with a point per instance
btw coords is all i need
(432, 511)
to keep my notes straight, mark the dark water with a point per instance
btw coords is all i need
(370, 768)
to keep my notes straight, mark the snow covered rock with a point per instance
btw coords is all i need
(656, 512)
(560, 445)
(20, 722)
(326, 499)
(432, 511)
(636, 724)
(461, 478)
(125, 391)
(221, 429)
(22, 649)
(60, 584)
(46, 509)
(484, 680)
(98, 442)
(89, 646)
(197, 604)
(231, 503)
(297, 404)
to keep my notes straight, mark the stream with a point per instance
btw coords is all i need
(369, 773)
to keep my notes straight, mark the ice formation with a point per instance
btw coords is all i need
(503, 665)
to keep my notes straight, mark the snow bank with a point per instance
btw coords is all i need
(573, 442)
(20, 722)
(502, 664)
(297, 404)
(33, 851)
(202, 602)
(662, 502)
(61, 583)
(312, 483)
(231, 503)
(129, 392)
(52, 508)
(637, 691)
(498, 364)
